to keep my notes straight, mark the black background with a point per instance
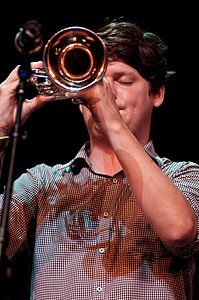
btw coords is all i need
(56, 131)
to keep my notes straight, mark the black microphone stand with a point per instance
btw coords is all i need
(24, 73)
(5, 279)
(28, 42)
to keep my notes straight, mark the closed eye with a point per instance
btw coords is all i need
(125, 82)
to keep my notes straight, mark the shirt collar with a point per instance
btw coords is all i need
(79, 161)
(150, 150)
(82, 157)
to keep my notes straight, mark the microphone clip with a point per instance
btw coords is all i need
(29, 39)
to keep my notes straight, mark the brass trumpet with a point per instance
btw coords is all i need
(74, 60)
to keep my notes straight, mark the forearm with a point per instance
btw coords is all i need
(163, 205)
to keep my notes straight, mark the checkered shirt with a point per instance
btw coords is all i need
(92, 241)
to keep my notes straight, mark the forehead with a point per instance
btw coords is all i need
(121, 68)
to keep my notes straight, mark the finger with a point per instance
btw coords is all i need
(13, 76)
(30, 106)
(8, 90)
(39, 101)
(78, 101)
(36, 64)
(104, 81)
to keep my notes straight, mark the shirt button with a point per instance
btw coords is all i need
(101, 250)
(105, 214)
(99, 289)
(114, 180)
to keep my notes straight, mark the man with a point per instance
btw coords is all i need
(118, 221)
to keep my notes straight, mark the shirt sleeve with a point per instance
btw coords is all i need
(23, 209)
(185, 175)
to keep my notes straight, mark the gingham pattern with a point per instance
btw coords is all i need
(92, 240)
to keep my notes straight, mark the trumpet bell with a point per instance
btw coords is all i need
(75, 59)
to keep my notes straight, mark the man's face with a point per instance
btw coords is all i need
(132, 97)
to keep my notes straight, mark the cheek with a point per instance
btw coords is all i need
(139, 99)
(136, 105)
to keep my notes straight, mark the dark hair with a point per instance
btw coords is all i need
(144, 51)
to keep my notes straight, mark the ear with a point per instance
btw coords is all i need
(158, 98)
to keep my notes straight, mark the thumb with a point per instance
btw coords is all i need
(31, 105)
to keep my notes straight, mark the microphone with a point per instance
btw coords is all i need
(29, 39)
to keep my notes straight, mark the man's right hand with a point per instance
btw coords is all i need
(8, 101)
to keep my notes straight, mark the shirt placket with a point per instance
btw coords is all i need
(106, 229)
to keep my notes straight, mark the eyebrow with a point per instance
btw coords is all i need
(124, 73)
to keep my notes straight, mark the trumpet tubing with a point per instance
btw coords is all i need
(74, 60)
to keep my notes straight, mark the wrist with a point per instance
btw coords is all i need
(4, 140)
(4, 131)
